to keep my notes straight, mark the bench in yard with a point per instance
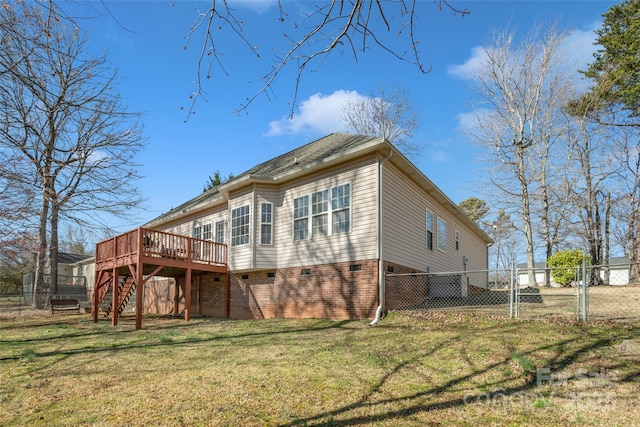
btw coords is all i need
(65, 305)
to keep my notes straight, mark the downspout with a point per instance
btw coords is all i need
(381, 284)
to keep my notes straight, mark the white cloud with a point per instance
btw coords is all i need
(439, 156)
(471, 65)
(576, 52)
(467, 121)
(319, 113)
(578, 47)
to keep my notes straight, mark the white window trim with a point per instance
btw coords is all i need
(294, 219)
(329, 212)
(210, 231)
(249, 227)
(224, 230)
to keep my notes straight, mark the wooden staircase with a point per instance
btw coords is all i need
(125, 291)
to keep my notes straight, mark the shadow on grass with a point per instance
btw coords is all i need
(409, 408)
(147, 343)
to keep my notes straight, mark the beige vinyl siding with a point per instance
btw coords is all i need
(266, 255)
(358, 244)
(405, 206)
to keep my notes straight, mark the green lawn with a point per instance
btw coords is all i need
(411, 369)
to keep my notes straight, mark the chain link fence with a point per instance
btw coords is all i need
(20, 304)
(483, 291)
(611, 295)
(605, 295)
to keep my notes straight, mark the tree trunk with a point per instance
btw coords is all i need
(605, 257)
(53, 248)
(39, 295)
(526, 217)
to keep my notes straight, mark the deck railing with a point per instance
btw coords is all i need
(159, 244)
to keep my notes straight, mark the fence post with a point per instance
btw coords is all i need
(511, 282)
(584, 290)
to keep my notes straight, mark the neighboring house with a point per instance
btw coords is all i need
(618, 273)
(310, 233)
(72, 278)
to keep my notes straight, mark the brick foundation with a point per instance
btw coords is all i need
(331, 291)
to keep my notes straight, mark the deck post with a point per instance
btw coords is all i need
(139, 294)
(114, 297)
(187, 295)
(94, 297)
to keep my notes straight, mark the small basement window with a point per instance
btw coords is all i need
(305, 272)
(271, 274)
(355, 267)
(245, 276)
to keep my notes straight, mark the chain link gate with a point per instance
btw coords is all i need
(545, 300)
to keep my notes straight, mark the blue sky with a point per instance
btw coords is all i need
(146, 40)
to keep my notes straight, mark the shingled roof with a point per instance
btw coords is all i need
(330, 146)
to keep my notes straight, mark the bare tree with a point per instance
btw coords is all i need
(388, 115)
(625, 151)
(520, 90)
(61, 115)
(329, 26)
(16, 206)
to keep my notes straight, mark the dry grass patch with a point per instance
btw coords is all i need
(410, 369)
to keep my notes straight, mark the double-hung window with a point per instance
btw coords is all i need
(301, 218)
(240, 226)
(266, 223)
(319, 213)
(340, 208)
(206, 232)
(197, 232)
(220, 231)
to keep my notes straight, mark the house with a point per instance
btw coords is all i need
(309, 233)
(615, 273)
(72, 280)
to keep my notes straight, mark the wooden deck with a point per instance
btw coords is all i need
(143, 253)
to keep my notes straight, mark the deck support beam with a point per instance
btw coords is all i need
(95, 298)
(114, 297)
(139, 291)
(187, 295)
